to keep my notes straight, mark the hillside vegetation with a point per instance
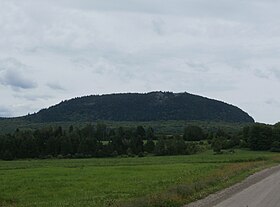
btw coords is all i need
(141, 107)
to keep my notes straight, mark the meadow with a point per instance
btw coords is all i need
(133, 181)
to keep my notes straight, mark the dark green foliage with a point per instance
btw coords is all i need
(275, 146)
(194, 133)
(175, 146)
(276, 132)
(159, 127)
(136, 144)
(140, 131)
(149, 146)
(160, 148)
(218, 143)
(89, 141)
(150, 134)
(117, 144)
(260, 137)
(140, 107)
(246, 133)
(234, 141)
(101, 131)
(224, 140)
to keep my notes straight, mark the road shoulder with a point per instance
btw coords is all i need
(220, 196)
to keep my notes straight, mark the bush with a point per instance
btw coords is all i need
(7, 155)
(275, 147)
(60, 157)
(140, 154)
(217, 145)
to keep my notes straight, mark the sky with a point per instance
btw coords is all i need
(60, 49)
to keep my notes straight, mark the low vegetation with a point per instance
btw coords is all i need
(146, 181)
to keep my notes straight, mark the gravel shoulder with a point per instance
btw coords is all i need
(227, 193)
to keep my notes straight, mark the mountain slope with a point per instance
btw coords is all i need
(141, 107)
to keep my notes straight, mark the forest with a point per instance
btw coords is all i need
(102, 141)
(153, 106)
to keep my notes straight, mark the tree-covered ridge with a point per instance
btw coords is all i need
(141, 107)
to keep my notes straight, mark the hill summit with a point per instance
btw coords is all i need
(151, 106)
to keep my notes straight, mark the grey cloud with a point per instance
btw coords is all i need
(33, 97)
(199, 67)
(261, 74)
(16, 80)
(158, 25)
(5, 111)
(190, 7)
(81, 63)
(276, 73)
(12, 73)
(55, 86)
(223, 49)
(272, 102)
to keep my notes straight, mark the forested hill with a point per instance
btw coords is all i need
(151, 106)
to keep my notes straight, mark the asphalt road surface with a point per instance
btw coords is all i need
(265, 193)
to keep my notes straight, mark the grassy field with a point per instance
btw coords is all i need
(148, 181)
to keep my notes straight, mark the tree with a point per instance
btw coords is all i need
(71, 129)
(193, 133)
(66, 146)
(275, 147)
(140, 131)
(260, 137)
(136, 145)
(149, 146)
(117, 144)
(218, 144)
(150, 134)
(160, 148)
(101, 131)
(234, 141)
(88, 146)
(276, 132)
(246, 133)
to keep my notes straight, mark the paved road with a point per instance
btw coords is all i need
(265, 193)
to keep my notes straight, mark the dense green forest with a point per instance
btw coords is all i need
(168, 127)
(91, 141)
(152, 106)
(102, 141)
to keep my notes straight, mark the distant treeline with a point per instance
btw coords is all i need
(262, 137)
(101, 141)
(91, 141)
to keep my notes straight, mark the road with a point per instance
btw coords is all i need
(265, 193)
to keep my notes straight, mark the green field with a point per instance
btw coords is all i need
(159, 181)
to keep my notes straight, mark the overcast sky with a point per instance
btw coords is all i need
(59, 49)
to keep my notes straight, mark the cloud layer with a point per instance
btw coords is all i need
(54, 50)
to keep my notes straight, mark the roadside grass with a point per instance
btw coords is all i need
(149, 181)
(179, 195)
